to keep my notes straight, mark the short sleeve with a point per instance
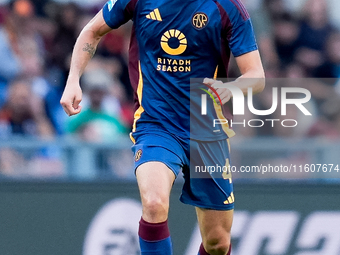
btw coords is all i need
(238, 28)
(242, 39)
(118, 12)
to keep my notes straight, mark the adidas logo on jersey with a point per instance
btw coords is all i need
(154, 15)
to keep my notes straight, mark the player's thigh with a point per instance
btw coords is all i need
(155, 181)
(215, 226)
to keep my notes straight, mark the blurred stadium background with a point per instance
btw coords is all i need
(67, 184)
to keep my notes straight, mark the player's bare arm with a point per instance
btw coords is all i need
(251, 68)
(83, 51)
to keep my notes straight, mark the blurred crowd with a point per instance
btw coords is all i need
(303, 48)
(36, 42)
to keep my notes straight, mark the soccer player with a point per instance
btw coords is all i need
(171, 42)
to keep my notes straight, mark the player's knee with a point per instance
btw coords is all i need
(218, 244)
(155, 209)
(217, 248)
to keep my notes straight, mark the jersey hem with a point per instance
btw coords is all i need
(107, 21)
(242, 52)
(211, 207)
(160, 161)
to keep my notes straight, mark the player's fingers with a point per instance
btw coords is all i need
(209, 81)
(215, 89)
(67, 107)
(225, 96)
(219, 90)
(76, 111)
(226, 99)
(76, 103)
(71, 111)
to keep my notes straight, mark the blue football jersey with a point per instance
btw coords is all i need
(173, 41)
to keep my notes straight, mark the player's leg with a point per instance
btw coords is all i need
(157, 163)
(215, 229)
(208, 186)
(155, 180)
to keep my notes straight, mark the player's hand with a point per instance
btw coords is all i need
(71, 98)
(224, 93)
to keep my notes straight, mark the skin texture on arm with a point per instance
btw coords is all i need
(251, 68)
(83, 51)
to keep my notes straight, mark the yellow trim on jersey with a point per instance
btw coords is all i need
(220, 115)
(215, 74)
(140, 109)
(154, 15)
(225, 126)
(229, 147)
(132, 138)
(227, 174)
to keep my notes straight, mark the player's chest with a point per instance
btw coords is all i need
(178, 24)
